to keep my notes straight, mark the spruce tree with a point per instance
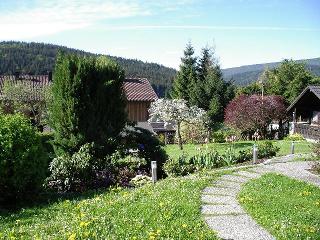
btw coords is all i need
(185, 80)
(88, 103)
(211, 93)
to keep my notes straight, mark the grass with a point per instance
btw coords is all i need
(169, 209)
(192, 149)
(287, 208)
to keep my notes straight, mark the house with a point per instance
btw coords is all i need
(139, 94)
(305, 113)
(138, 91)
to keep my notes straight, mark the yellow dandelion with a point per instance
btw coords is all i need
(84, 224)
(184, 225)
(72, 236)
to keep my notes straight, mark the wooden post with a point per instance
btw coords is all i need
(255, 153)
(292, 147)
(154, 171)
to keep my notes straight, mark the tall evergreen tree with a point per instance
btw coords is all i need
(289, 79)
(88, 103)
(185, 80)
(211, 93)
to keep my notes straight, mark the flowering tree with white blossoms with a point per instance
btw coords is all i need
(176, 111)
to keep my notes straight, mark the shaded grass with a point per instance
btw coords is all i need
(169, 209)
(287, 208)
(192, 149)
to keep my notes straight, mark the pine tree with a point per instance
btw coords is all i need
(212, 93)
(185, 80)
(88, 103)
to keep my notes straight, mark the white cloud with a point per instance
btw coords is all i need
(49, 17)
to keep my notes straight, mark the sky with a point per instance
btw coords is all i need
(242, 32)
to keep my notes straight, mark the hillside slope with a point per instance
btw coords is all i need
(39, 58)
(244, 75)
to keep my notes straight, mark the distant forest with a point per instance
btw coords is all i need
(39, 58)
(245, 75)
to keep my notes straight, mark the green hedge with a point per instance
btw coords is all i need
(23, 162)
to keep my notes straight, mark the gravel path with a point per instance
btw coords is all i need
(224, 214)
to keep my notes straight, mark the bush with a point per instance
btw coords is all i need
(294, 137)
(147, 145)
(140, 180)
(23, 161)
(72, 173)
(185, 165)
(221, 135)
(267, 150)
(88, 104)
(124, 168)
(193, 133)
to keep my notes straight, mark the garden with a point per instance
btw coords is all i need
(88, 176)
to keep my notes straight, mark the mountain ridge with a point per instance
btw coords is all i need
(39, 58)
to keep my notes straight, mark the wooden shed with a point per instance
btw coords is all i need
(305, 113)
(140, 94)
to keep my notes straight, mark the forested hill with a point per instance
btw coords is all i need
(244, 75)
(39, 58)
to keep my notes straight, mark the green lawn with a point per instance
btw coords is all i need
(287, 208)
(168, 210)
(192, 149)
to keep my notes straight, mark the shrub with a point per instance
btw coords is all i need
(147, 145)
(294, 137)
(218, 137)
(88, 104)
(267, 150)
(193, 133)
(23, 161)
(124, 168)
(185, 165)
(244, 156)
(72, 173)
(140, 180)
(179, 167)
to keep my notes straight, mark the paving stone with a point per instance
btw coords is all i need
(237, 227)
(221, 191)
(234, 178)
(222, 209)
(214, 199)
(261, 170)
(227, 184)
(250, 175)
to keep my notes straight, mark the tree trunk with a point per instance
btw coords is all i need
(179, 136)
(280, 130)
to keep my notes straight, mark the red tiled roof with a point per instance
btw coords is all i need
(35, 82)
(139, 89)
(136, 89)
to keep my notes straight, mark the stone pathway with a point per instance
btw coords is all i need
(224, 214)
